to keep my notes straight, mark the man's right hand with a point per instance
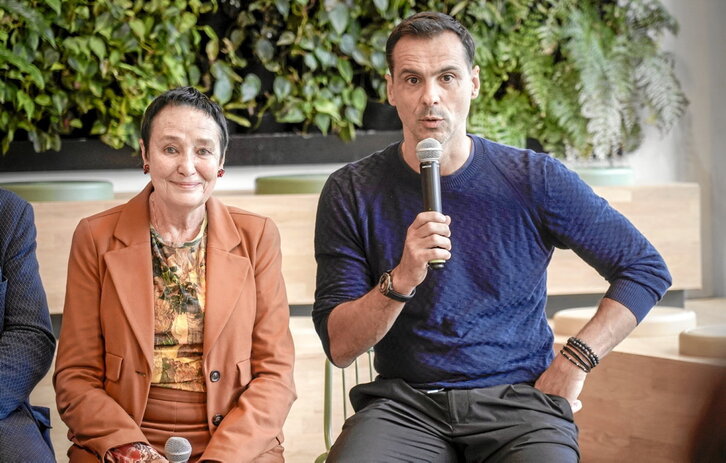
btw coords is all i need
(427, 239)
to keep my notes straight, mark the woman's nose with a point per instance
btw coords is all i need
(186, 164)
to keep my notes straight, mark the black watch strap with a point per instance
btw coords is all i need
(385, 286)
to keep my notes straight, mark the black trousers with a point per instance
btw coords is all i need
(511, 423)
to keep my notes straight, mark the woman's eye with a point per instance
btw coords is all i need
(170, 149)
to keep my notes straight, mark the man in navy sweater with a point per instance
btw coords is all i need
(464, 354)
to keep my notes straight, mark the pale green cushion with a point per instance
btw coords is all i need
(61, 190)
(290, 184)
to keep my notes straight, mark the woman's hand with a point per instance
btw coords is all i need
(136, 452)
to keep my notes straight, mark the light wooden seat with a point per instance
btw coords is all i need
(703, 341)
(660, 321)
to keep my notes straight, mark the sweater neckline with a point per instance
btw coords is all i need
(458, 179)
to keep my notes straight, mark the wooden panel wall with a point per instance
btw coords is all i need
(667, 214)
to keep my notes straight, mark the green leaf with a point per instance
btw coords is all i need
(55, 4)
(283, 6)
(325, 58)
(223, 89)
(137, 26)
(264, 50)
(345, 69)
(347, 44)
(354, 115)
(26, 103)
(212, 50)
(60, 102)
(97, 46)
(244, 122)
(322, 121)
(326, 107)
(188, 20)
(282, 87)
(378, 60)
(291, 115)
(43, 100)
(286, 38)
(339, 17)
(381, 6)
(310, 61)
(359, 98)
(250, 88)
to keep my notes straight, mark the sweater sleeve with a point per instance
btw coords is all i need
(578, 219)
(343, 273)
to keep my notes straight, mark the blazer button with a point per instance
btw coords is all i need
(217, 419)
(215, 376)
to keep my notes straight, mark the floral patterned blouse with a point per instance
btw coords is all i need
(179, 301)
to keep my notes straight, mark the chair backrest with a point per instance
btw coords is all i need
(336, 405)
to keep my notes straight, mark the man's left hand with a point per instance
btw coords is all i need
(564, 379)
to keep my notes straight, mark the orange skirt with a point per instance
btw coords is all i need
(171, 412)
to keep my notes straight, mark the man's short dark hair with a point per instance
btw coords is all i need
(429, 24)
(185, 96)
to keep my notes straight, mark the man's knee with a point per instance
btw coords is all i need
(21, 440)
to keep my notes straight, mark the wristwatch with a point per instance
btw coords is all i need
(385, 286)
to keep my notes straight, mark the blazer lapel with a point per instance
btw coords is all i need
(226, 272)
(131, 272)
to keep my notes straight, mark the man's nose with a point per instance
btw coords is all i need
(431, 94)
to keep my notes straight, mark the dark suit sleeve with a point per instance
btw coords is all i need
(26, 339)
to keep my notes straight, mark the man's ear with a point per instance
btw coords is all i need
(389, 89)
(476, 84)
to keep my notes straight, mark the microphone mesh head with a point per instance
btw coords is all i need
(428, 149)
(177, 449)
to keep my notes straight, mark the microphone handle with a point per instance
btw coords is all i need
(431, 187)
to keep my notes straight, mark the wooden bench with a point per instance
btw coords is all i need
(669, 215)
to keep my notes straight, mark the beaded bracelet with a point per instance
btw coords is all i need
(585, 350)
(575, 362)
(578, 356)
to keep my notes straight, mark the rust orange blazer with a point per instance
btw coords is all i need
(104, 360)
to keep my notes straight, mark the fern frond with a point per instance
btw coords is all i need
(660, 85)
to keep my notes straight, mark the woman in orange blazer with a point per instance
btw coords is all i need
(176, 318)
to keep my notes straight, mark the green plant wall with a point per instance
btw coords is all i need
(579, 77)
(91, 67)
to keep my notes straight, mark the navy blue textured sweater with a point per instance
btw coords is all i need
(480, 321)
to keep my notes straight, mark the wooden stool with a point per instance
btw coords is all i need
(704, 341)
(660, 321)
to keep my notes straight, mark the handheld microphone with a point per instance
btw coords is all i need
(428, 152)
(177, 450)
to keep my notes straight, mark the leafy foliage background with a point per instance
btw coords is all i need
(579, 77)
